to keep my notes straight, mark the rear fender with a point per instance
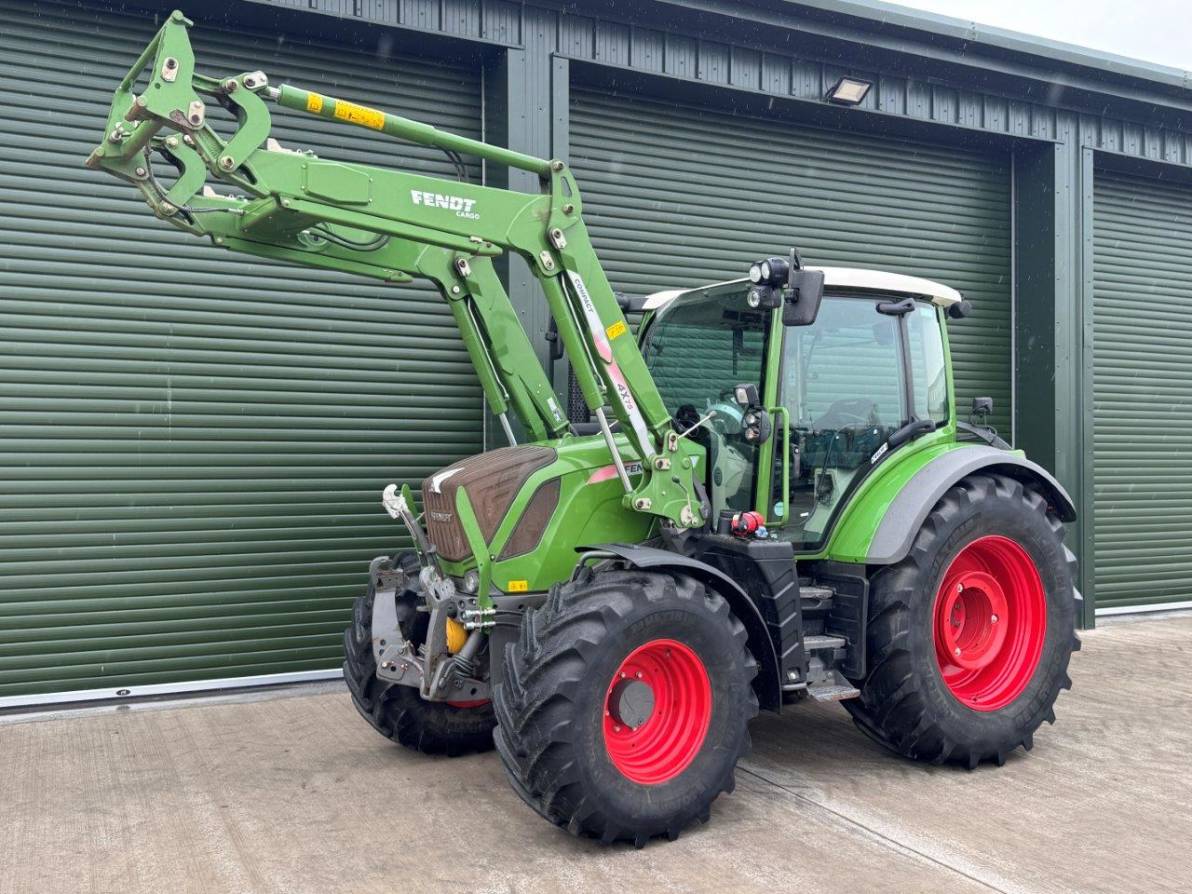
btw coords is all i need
(906, 513)
(767, 684)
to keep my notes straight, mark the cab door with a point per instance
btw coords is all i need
(844, 384)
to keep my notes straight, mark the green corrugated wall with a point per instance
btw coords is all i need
(193, 443)
(678, 196)
(1142, 373)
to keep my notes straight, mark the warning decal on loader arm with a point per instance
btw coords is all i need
(354, 114)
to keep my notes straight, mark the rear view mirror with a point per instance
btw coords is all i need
(982, 407)
(806, 290)
(745, 395)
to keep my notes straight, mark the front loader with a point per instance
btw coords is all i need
(772, 498)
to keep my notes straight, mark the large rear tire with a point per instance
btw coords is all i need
(625, 704)
(398, 712)
(970, 635)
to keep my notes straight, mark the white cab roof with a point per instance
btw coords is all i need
(838, 279)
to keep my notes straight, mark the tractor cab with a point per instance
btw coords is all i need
(794, 417)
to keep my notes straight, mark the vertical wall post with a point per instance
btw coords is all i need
(523, 96)
(1086, 495)
(560, 117)
(1053, 335)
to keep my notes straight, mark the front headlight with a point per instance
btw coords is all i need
(471, 582)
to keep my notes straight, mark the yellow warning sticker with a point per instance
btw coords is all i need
(617, 329)
(314, 103)
(518, 586)
(362, 115)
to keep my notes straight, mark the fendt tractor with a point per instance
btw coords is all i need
(768, 499)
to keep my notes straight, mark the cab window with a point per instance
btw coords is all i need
(928, 365)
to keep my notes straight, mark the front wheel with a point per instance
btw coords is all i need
(625, 704)
(970, 635)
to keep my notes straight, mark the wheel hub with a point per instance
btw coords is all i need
(657, 710)
(990, 623)
(631, 703)
(972, 620)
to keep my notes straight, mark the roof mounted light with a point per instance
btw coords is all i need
(770, 272)
(849, 91)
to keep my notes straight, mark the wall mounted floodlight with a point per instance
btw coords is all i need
(848, 91)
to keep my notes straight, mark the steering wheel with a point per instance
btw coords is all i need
(727, 420)
(847, 412)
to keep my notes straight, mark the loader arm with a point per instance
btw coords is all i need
(393, 225)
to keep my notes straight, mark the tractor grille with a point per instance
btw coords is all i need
(442, 525)
(533, 521)
(492, 481)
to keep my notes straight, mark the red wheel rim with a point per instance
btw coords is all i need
(475, 703)
(653, 736)
(990, 621)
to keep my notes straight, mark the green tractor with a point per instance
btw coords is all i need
(768, 499)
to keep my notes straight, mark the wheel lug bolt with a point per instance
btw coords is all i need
(639, 673)
(957, 651)
(993, 619)
(960, 588)
(622, 675)
(616, 729)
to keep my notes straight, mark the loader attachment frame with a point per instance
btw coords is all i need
(293, 207)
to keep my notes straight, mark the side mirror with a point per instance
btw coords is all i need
(982, 407)
(961, 309)
(756, 426)
(746, 395)
(806, 291)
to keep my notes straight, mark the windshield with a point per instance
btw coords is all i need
(697, 349)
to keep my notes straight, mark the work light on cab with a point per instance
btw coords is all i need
(770, 272)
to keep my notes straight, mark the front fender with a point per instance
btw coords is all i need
(768, 684)
(903, 515)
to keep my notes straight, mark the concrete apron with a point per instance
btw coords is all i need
(298, 794)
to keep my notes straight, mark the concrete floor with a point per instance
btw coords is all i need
(294, 793)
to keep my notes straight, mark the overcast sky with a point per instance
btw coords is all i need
(1152, 30)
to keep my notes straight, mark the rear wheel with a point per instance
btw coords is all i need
(398, 712)
(625, 704)
(969, 637)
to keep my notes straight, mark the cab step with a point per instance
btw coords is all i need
(814, 643)
(833, 692)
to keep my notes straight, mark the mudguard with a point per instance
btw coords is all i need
(768, 684)
(896, 532)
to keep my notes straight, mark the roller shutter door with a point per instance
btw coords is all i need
(1143, 393)
(194, 443)
(677, 196)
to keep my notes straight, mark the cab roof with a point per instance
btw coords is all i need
(838, 279)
